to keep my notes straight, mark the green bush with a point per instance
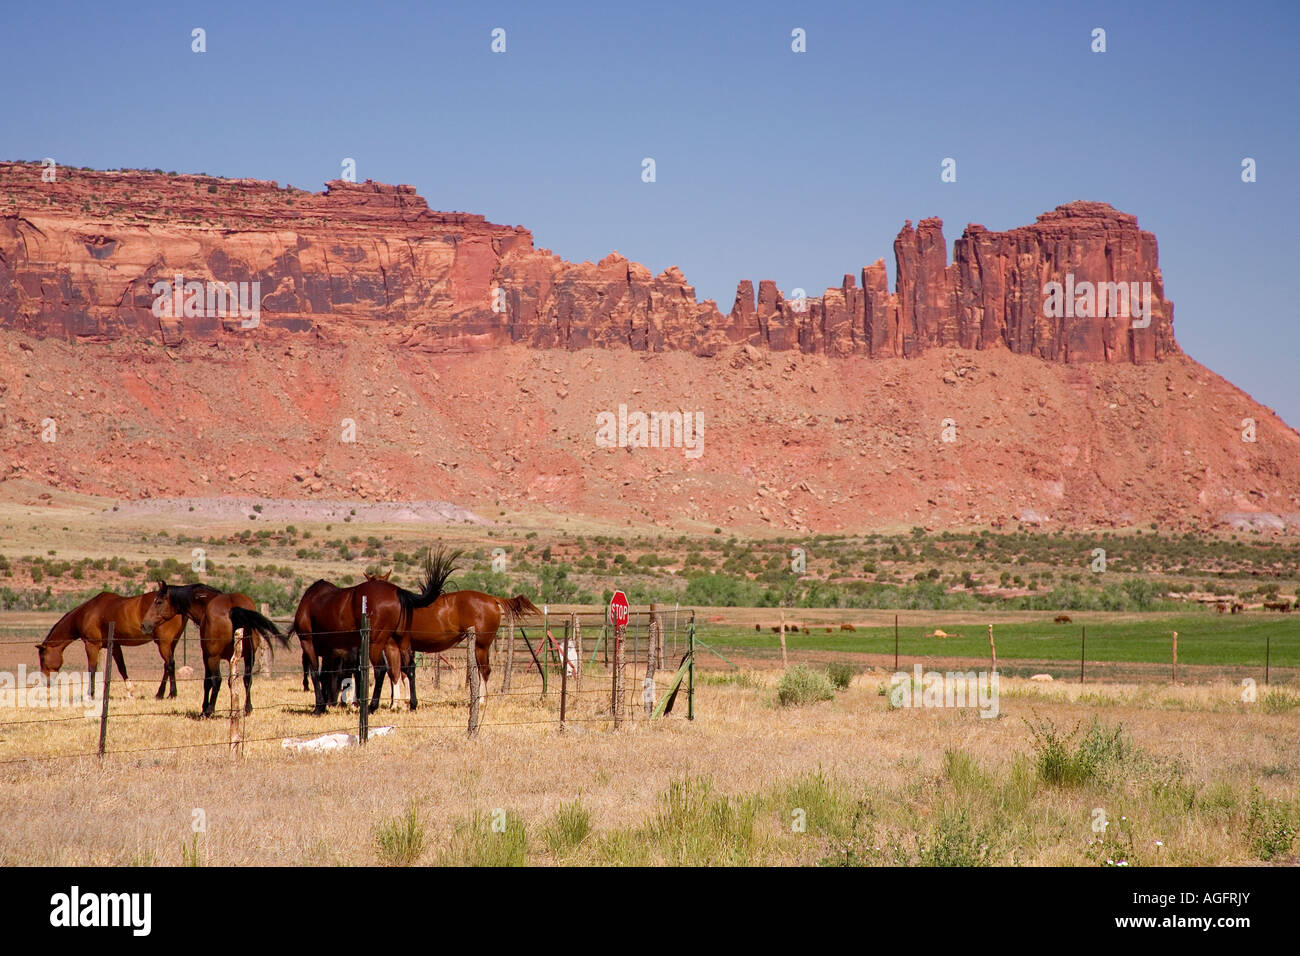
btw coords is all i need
(803, 685)
(1061, 762)
(399, 841)
(840, 674)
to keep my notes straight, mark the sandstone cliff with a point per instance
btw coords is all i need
(80, 257)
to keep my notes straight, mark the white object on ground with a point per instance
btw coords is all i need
(327, 742)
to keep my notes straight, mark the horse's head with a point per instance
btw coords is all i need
(160, 610)
(377, 576)
(51, 658)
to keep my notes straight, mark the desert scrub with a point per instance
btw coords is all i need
(1061, 762)
(840, 674)
(696, 827)
(399, 841)
(499, 839)
(952, 841)
(1271, 825)
(803, 685)
(570, 825)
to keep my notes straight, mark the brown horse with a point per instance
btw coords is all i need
(444, 624)
(328, 621)
(218, 615)
(89, 624)
(341, 664)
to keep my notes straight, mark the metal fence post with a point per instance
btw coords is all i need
(108, 677)
(564, 675)
(690, 670)
(363, 698)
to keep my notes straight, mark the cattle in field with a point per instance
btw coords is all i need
(1061, 619)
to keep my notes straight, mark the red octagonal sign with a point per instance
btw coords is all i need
(618, 609)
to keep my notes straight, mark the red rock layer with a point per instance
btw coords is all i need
(79, 258)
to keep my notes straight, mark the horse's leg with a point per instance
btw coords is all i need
(306, 671)
(481, 648)
(393, 658)
(313, 667)
(164, 653)
(378, 658)
(120, 661)
(92, 663)
(408, 668)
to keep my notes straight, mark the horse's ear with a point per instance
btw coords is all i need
(40, 647)
(162, 586)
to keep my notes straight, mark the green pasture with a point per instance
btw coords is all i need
(1209, 639)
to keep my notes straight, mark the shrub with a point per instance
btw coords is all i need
(1272, 831)
(399, 841)
(840, 674)
(1062, 763)
(476, 843)
(803, 685)
(569, 827)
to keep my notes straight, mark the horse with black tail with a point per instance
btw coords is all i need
(329, 618)
(219, 615)
(446, 622)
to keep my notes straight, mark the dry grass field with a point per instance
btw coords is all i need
(1182, 774)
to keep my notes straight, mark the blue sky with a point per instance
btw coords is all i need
(770, 164)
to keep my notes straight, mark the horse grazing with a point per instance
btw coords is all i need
(218, 615)
(328, 621)
(89, 622)
(444, 624)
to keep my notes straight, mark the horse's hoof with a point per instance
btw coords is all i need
(158, 696)
(247, 711)
(413, 705)
(318, 712)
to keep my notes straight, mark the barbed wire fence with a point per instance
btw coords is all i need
(549, 676)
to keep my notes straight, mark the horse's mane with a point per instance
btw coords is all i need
(182, 596)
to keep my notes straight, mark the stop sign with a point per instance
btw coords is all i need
(618, 609)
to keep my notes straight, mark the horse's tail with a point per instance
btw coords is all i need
(439, 565)
(241, 617)
(518, 607)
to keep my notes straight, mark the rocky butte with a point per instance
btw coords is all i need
(80, 257)
(469, 366)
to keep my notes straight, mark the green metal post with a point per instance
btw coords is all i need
(690, 673)
(363, 697)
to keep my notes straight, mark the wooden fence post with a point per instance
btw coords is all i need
(1175, 658)
(653, 654)
(236, 698)
(620, 659)
(472, 675)
(1083, 647)
(784, 665)
(510, 656)
(108, 677)
(993, 651)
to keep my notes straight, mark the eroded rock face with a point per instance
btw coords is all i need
(80, 258)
